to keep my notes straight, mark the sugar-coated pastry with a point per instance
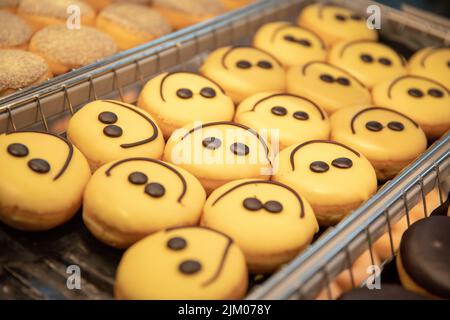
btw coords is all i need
(291, 118)
(243, 71)
(424, 257)
(433, 63)
(20, 69)
(424, 100)
(327, 85)
(129, 199)
(179, 98)
(182, 263)
(14, 32)
(368, 60)
(269, 221)
(236, 4)
(42, 13)
(289, 43)
(386, 292)
(9, 5)
(334, 178)
(388, 138)
(131, 24)
(66, 49)
(184, 13)
(107, 130)
(100, 4)
(219, 152)
(42, 180)
(335, 24)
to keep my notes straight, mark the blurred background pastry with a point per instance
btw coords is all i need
(14, 32)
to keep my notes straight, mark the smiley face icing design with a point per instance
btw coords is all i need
(296, 118)
(433, 63)
(219, 152)
(250, 210)
(389, 139)
(108, 130)
(334, 24)
(190, 263)
(290, 44)
(43, 177)
(369, 61)
(334, 178)
(183, 98)
(129, 199)
(244, 71)
(327, 85)
(424, 100)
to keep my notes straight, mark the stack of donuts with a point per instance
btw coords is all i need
(232, 170)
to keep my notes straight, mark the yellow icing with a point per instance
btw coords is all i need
(432, 63)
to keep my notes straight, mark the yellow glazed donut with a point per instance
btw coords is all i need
(268, 220)
(110, 130)
(236, 4)
(182, 263)
(389, 139)
(243, 71)
(368, 60)
(14, 32)
(332, 177)
(327, 85)
(184, 13)
(219, 152)
(100, 4)
(9, 5)
(424, 100)
(129, 199)
(334, 24)
(42, 13)
(293, 119)
(180, 98)
(432, 62)
(131, 24)
(43, 179)
(290, 44)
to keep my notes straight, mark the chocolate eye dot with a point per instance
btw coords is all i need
(343, 81)
(326, 78)
(366, 58)
(273, 206)
(240, 149)
(289, 38)
(279, 111)
(355, 17)
(184, 93)
(252, 204)
(243, 64)
(39, 165)
(416, 93)
(448, 63)
(340, 17)
(112, 131)
(319, 166)
(190, 267)
(107, 117)
(374, 126)
(211, 143)
(396, 126)
(301, 115)
(265, 64)
(137, 178)
(208, 92)
(342, 163)
(304, 42)
(155, 190)
(176, 243)
(385, 61)
(436, 93)
(17, 150)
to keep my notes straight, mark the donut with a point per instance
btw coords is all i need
(235, 4)
(66, 49)
(334, 178)
(107, 130)
(98, 5)
(334, 24)
(182, 98)
(368, 60)
(386, 292)
(432, 62)
(129, 199)
(219, 152)
(388, 138)
(327, 85)
(9, 5)
(43, 178)
(20, 69)
(424, 257)
(131, 24)
(289, 43)
(14, 32)
(251, 210)
(243, 71)
(42, 13)
(424, 100)
(181, 14)
(290, 118)
(182, 263)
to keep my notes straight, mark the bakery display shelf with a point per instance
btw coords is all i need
(34, 265)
